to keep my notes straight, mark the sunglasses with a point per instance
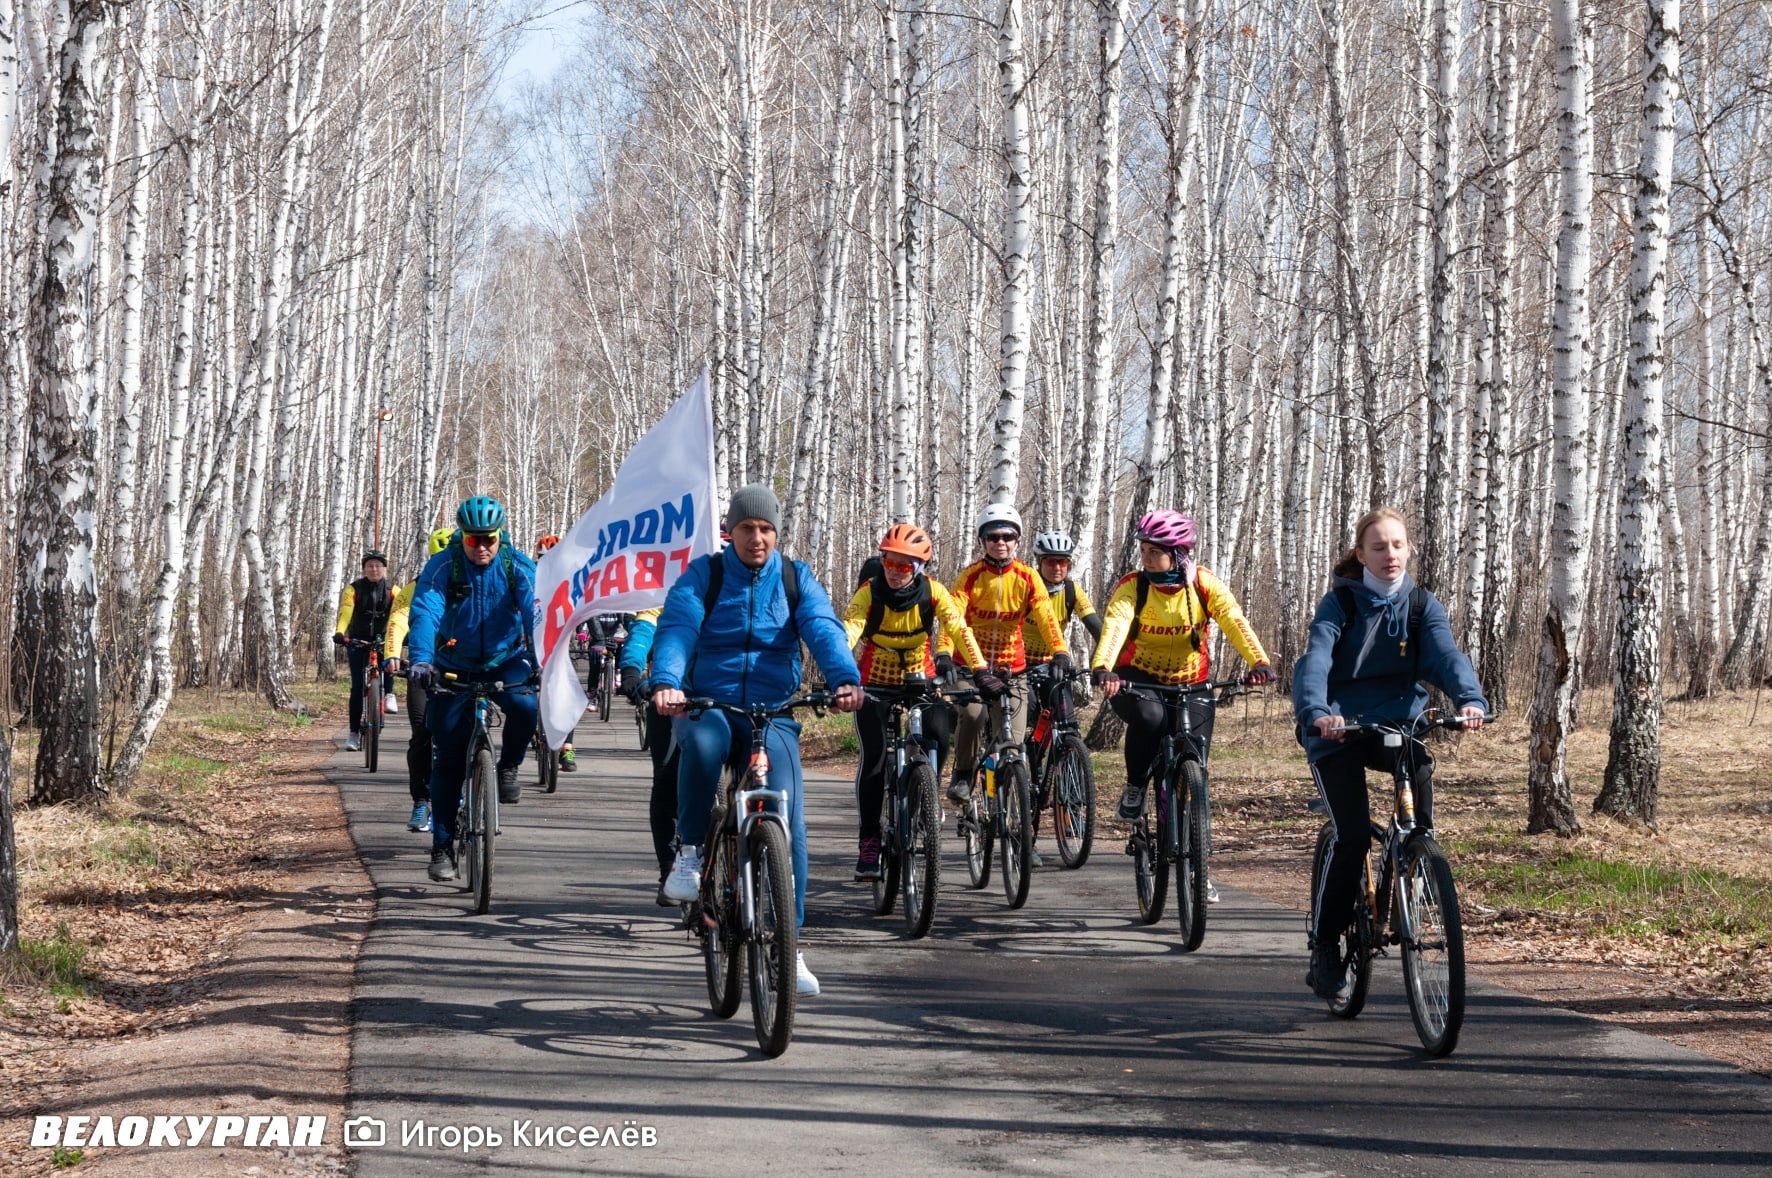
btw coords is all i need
(1001, 537)
(476, 541)
(898, 566)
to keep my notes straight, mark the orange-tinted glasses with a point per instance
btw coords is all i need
(478, 540)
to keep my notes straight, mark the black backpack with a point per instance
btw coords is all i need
(1344, 597)
(877, 608)
(790, 585)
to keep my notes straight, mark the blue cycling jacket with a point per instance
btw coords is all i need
(490, 623)
(745, 651)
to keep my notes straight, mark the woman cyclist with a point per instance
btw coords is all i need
(1158, 626)
(891, 624)
(1375, 638)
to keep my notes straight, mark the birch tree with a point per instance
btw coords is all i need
(1018, 241)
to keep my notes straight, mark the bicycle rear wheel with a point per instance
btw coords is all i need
(485, 827)
(1355, 943)
(1073, 800)
(547, 763)
(723, 949)
(772, 939)
(640, 723)
(920, 844)
(1433, 945)
(976, 826)
(1150, 858)
(1190, 865)
(606, 689)
(886, 871)
(1015, 795)
(372, 720)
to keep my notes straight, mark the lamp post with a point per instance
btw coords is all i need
(382, 417)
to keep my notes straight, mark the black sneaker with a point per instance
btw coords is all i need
(1327, 977)
(442, 864)
(510, 790)
(959, 791)
(1131, 803)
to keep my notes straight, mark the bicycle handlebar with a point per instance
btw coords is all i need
(1420, 724)
(820, 700)
(1231, 688)
(449, 683)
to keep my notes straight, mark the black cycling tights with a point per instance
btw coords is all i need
(871, 732)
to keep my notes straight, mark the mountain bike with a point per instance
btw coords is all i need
(476, 819)
(1175, 824)
(374, 701)
(1062, 774)
(910, 812)
(1001, 809)
(1411, 902)
(746, 908)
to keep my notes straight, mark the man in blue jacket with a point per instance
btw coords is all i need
(744, 650)
(471, 616)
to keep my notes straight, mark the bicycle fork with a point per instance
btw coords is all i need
(753, 807)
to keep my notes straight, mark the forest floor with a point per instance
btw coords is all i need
(191, 945)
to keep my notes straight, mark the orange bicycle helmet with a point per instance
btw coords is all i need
(908, 540)
(546, 542)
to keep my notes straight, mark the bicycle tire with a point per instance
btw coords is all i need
(606, 690)
(640, 723)
(975, 827)
(1015, 795)
(920, 845)
(1355, 944)
(885, 879)
(1433, 946)
(1196, 850)
(1150, 860)
(773, 939)
(1073, 800)
(723, 949)
(547, 763)
(372, 720)
(486, 775)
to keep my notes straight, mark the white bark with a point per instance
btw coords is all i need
(1018, 240)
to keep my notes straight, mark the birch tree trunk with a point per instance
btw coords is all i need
(1018, 241)
(1551, 802)
(900, 429)
(1438, 525)
(57, 609)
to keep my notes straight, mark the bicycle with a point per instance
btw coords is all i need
(1412, 904)
(1175, 823)
(547, 762)
(746, 907)
(476, 818)
(1062, 774)
(603, 690)
(910, 812)
(1000, 809)
(374, 701)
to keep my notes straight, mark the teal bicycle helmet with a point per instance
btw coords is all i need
(481, 513)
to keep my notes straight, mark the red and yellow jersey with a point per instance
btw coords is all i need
(901, 643)
(1031, 635)
(1174, 629)
(998, 606)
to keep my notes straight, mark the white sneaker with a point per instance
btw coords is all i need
(390, 705)
(804, 983)
(353, 743)
(684, 881)
(1211, 892)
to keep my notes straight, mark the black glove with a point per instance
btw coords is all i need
(1097, 676)
(1261, 675)
(628, 680)
(421, 675)
(340, 640)
(989, 685)
(1061, 663)
(944, 666)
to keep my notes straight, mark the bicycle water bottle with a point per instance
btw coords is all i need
(1042, 726)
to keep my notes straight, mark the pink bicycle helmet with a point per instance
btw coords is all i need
(1167, 529)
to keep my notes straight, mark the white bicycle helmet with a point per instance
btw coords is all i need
(1053, 544)
(998, 513)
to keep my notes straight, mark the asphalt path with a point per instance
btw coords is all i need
(1063, 1038)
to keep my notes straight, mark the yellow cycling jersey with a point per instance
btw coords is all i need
(1173, 629)
(999, 604)
(1031, 636)
(901, 644)
(399, 620)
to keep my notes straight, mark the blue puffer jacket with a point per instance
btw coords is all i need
(747, 652)
(490, 624)
(1376, 674)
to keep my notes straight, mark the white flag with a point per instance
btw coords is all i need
(624, 554)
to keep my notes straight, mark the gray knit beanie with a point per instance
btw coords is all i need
(756, 501)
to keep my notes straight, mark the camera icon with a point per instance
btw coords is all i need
(365, 1132)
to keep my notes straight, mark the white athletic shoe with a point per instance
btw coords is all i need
(684, 881)
(1211, 892)
(390, 706)
(804, 983)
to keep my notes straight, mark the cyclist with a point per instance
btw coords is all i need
(731, 629)
(363, 610)
(1375, 639)
(891, 622)
(601, 631)
(418, 749)
(1158, 630)
(470, 616)
(661, 810)
(1002, 596)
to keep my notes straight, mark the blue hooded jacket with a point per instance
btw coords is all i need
(490, 624)
(746, 652)
(1379, 671)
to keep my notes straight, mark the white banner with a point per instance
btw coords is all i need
(624, 554)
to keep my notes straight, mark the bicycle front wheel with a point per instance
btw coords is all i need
(886, 870)
(606, 693)
(919, 844)
(1149, 850)
(975, 825)
(1073, 800)
(722, 948)
(1433, 945)
(547, 764)
(773, 940)
(1015, 795)
(485, 826)
(372, 721)
(1354, 944)
(640, 723)
(1190, 865)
